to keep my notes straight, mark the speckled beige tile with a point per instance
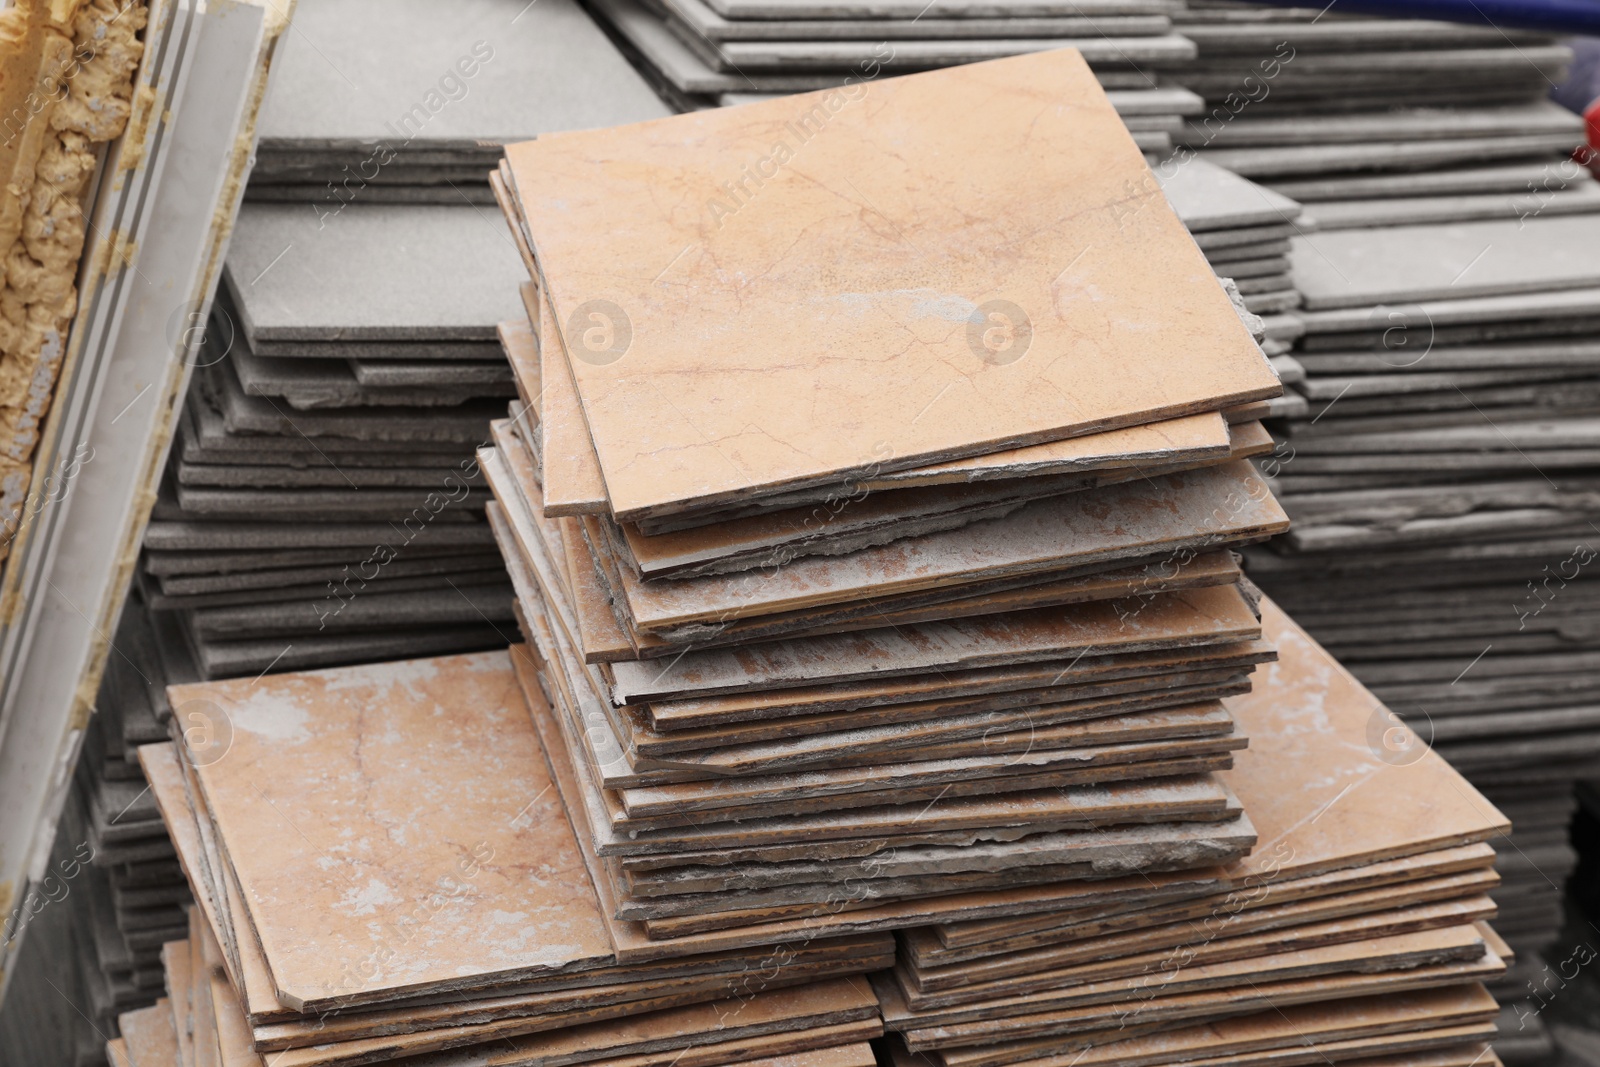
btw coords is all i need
(866, 303)
(151, 1039)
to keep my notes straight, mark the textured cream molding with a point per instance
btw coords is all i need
(66, 73)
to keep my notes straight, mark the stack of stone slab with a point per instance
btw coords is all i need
(1442, 486)
(322, 503)
(382, 870)
(1379, 122)
(133, 887)
(1244, 231)
(411, 101)
(1355, 932)
(699, 53)
(795, 635)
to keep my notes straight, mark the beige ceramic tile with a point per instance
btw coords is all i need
(1051, 1020)
(1155, 964)
(1213, 615)
(967, 941)
(519, 236)
(414, 1028)
(856, 1055)
(149, 1036)
(1329, 779)
(522, 352)
(835, 1003)
(603, 637)
(1191, 438)
(577, 487)
(393, 830)
(175, 962)
(1162, 517)
(844, 315)
(233, 1032)
(1340, 1020)
(796, 1046)
(568, 470)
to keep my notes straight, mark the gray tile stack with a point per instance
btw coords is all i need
(1444, 484)
(411, 100)
(701, 53)
(1376, 122)
(1244, 230)
(323, 504)
(117, 869)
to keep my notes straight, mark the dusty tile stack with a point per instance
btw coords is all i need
(383, 870)
(700, 53)
(1244, 230)
(322, 503)
(1355, 931)
(1379, 122)
(1443, 491)
(837, 642)
(133, 887)
(410, 101)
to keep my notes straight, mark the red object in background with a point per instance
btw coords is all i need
(1589, 154)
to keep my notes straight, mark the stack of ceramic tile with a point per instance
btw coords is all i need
(1244, 230)
(383, 869)
(323, 504)
(68, 997)
(409, 100)
(133, 887)
(1355, 932)
(702, 52)
(1443, 490)
(835, 601)
(1375, 122)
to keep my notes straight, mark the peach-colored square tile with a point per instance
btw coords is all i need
(898, 274)
(393, 828)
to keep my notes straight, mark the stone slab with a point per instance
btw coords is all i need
(645, 474)
(378, 273)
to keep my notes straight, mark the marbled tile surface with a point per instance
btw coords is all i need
(1332, 777)
(393, 828)
(887, 275)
